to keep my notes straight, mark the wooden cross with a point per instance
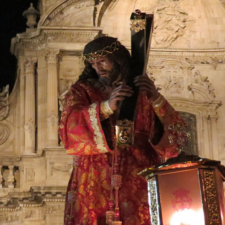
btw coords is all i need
(141, 30)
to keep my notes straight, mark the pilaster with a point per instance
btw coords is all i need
(52, 98)
(30, 125)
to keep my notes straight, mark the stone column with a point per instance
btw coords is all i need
(215, 138)
(52, 98)
(22, 103)
(30, 107)
(209, 125)
(206, 149)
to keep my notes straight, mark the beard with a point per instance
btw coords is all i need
(113, 78)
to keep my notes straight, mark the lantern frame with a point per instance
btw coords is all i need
(208, 172)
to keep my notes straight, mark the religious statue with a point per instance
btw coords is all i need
(87, 129)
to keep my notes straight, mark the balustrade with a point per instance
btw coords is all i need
(9, 176)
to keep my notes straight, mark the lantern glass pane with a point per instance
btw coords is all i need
(180, 198)
(219, 182)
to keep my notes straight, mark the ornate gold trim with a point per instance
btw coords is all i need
(210, 197)
(98, 138)
(124, 133)
(153, 200)
(138, 24)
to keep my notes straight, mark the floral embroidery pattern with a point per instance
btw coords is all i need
(97, 133)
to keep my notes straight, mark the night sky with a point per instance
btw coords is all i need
(11, 23)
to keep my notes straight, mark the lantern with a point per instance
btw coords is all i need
(186, 190)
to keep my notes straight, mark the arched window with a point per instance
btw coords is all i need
(190, 119)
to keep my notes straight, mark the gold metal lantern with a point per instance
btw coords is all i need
(186, 190)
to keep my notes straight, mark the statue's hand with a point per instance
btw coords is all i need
(146, 84)
(119, 94)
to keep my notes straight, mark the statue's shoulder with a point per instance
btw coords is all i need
(86, 84)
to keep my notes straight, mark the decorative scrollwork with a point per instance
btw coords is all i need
(61, 167)
(4, 103)
(4, 133)
(210, 196)
(153, 201)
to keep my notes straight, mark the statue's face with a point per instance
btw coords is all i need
(103, 67)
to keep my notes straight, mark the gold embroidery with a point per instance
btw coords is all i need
(81, 190)
(83, 178)
(87, 149)
(81, 145)
(97, 133)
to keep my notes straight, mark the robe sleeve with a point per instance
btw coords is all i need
(80, 125)
(174, 130)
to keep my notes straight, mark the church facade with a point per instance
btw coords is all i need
(187, 63)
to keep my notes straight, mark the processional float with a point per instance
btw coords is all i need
(186, 190)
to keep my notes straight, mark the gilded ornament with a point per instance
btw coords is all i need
(138, 25)
(210, 193)
(124, 132)
(110, 217)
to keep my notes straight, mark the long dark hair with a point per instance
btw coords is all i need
(121, 59)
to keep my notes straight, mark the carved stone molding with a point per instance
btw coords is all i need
(55, 209)
(40, 41)
(30, 214)
(193, 58)
(61, 167)
(171, 22)
(4, 103)
(71, 36)
(16, 47)
(35, 205)
(62, 6)
(52, 120)
(52, 55)
(37, 43)
(30, 126)
(7, 135)
(180, 78)
(170, 76)
(70, 53)
(9, 218)
(30, 175)
(202, 85)
(29, 64)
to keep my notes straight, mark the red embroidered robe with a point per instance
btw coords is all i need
(87, 135)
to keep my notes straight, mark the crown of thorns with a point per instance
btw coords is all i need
(102, 52)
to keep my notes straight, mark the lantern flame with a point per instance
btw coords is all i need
(188, 217)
